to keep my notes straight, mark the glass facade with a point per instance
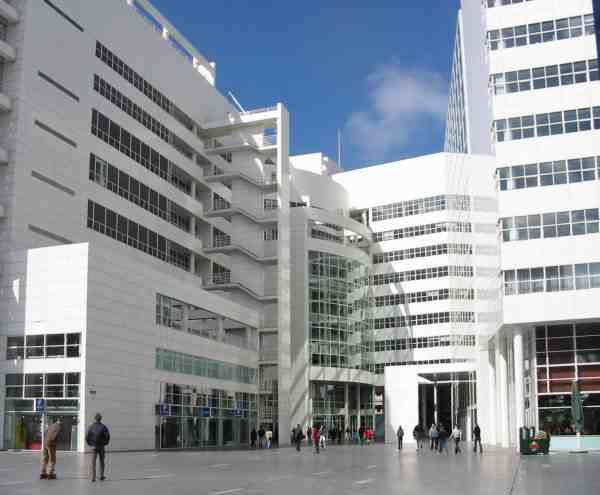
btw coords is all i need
(565, 353)
(338, 311)
(198, 417)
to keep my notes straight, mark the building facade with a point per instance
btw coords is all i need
(165, 261)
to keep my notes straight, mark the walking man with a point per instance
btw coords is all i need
(98, 438)
(298, 435)
(443, 439)
(253, 438)
(434, 436)
(49, 451)
(418, 435)
(261, 438)
(400, 435)
(477, 439)
(456, 434)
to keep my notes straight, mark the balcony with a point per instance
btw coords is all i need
(229, 212)
(229, 144)
(250, 118)
(227, 178)
(229, 248)
(8, 12)
(7, 52)
(223, 282)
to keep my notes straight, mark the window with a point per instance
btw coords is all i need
(552, 278)
(420, 206)
(420, 230)
(547, 225)
(549, 76)
(220, 274)
(43, 346)
(178, 362)
(423, 252)
(540, 32)
(118, 227)
(38, 385)
(270, 204)
(127, 73)
(271, 234)
(424, 296)
(424, 319)
(220, 238)
(547, 124)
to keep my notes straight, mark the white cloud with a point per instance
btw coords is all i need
(400, 104)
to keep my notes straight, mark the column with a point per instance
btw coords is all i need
(435, 403)
(501, 390)
(423, 392)
(519, 386)
(220, 329)
(358, 406)
(346, 406)
(491, 435)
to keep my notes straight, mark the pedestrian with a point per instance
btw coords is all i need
(253, 438)
(348, 434)
(456, 435)
(443, 439)
(434, 436)
(323, 437)
(98, 438)
(309, 436)
(49, 451)
(298, 436)
(269, 437)
(477, 439)
(400, 436)
(316, 436)
(419, 436)
(361, 434)
(261, 438)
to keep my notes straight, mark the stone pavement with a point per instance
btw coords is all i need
(375, 469)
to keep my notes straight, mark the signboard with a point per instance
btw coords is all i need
(165, 410)
(40, 405)
(205, 412)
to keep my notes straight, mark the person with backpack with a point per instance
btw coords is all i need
(477, 439)
(98, 438)
(400, 436)
(49, 451)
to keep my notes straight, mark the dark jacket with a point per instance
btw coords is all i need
(477, 433)
(97, 436)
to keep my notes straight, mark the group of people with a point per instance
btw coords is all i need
(97, 438)
(439, 438)
(262, 439)
(319, 435)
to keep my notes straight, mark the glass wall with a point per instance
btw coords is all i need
(339, 312)
(200, 417)
(565, 353)
(23, 424)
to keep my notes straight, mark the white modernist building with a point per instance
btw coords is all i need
(164, 261)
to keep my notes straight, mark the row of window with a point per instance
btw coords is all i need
(547, 225)
(52, 345)
(499, 3)
(549, 173)
(547, 124)
(118, 99)
(424, 296)
(422, 252)
(185, 395)
(424, 319)
(379, 368)
(549, 76)
(38, 385)
(220, 238)
(552, 278)
(423, 342)
(422, 274)
(419, 230)
(326, 236)
(121, 68)
(117, 181)
(134, 148)
(122, 229)
(541, 32)
(420, 206)
(271, 234)
(178, 362)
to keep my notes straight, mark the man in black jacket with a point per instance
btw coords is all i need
(98, 437)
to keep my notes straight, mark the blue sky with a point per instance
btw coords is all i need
(376, 69)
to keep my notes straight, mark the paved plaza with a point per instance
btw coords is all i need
(338, 470)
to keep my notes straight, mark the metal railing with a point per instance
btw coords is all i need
(260, 110)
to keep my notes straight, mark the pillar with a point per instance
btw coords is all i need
(501, 390)
(491, 400)
(346, 405)
(423, 393)
(220, 329)
(519, 386)
(358, 406)
(435, 403)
